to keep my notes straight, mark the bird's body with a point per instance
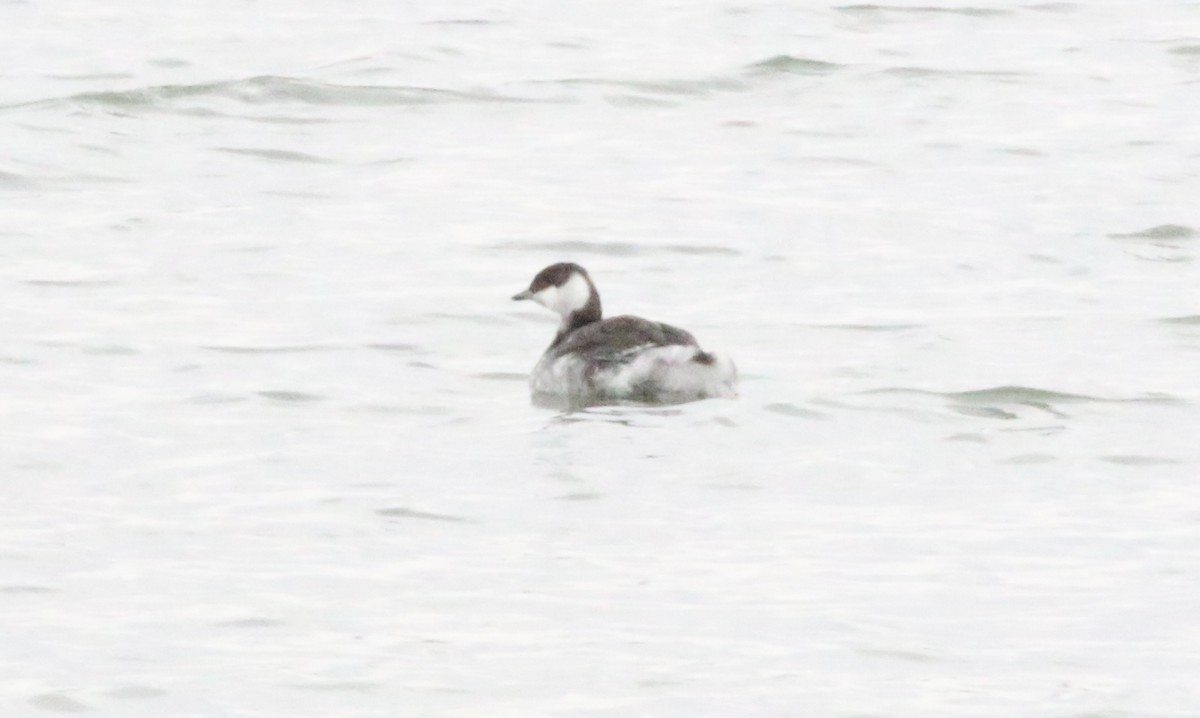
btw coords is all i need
(623, 359)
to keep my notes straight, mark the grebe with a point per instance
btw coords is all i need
(593, 360)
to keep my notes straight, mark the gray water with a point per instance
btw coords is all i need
(268, 448)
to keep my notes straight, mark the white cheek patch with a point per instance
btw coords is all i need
(546, 297)
(563, 299)
(573, 295)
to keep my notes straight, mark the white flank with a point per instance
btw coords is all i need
(665, 375)
(571, 296)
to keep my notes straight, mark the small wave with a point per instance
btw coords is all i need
(1053, 7)
(899, 654)
(1028, 459)
(135, 692)
(214, 398)
(170, 63)
(1161, 232)
(666, 92)
(71, 283)
(27, 589)
(109, 350)
(275, 155)
(9, 180)
(407, 513)
(628, 413)
(399, 410)
(1033, 396)
(837, 161)
(799, 412)
(1017, 395)
(286, 395)
(882, 327)
(1137, 460)
(791, 65)
(393, 347)
(332, 686)
(920, 71)
(253, 622)
(968, 438)
(985, 412)
(924, 10)
(481, 319)
(464, 22)
(270, 90)
(91, 76)
(580, 496)
(618, 249)
(1022, 151)
(1027, 396)
(693, 88)
(283, 349)
(1190, 319)
(58, 703)
(502, 376)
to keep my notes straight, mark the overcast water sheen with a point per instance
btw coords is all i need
(268, 444)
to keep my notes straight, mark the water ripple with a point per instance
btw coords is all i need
(923, 10)
(253, 622)
(71, 283)
(502, 376)
(284, 349)
(921, 71)
(666, 91)
(1003, 402)
(661, 87)
(787, 409)
(58, 703)
(407, 513)
(26, 589)
(986, 412)
(791, 65)
(1057, 7)
(136, 692)
(1160, 233)
(1170, 242)
(881, 327)
(9, 180)
(1028, 459)
(1027, 395)
(285, 395)
(394, 347)
(348, 686)
(270, 89)
(1190, 319)
(275, 155)
(1137, 460)
(617, 249)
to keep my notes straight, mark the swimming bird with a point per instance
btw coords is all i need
(593, 360)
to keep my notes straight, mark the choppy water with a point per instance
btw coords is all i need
(268, 448)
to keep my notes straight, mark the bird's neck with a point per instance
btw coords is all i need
(579, 318)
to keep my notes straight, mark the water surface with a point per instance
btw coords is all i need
(269, 448)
